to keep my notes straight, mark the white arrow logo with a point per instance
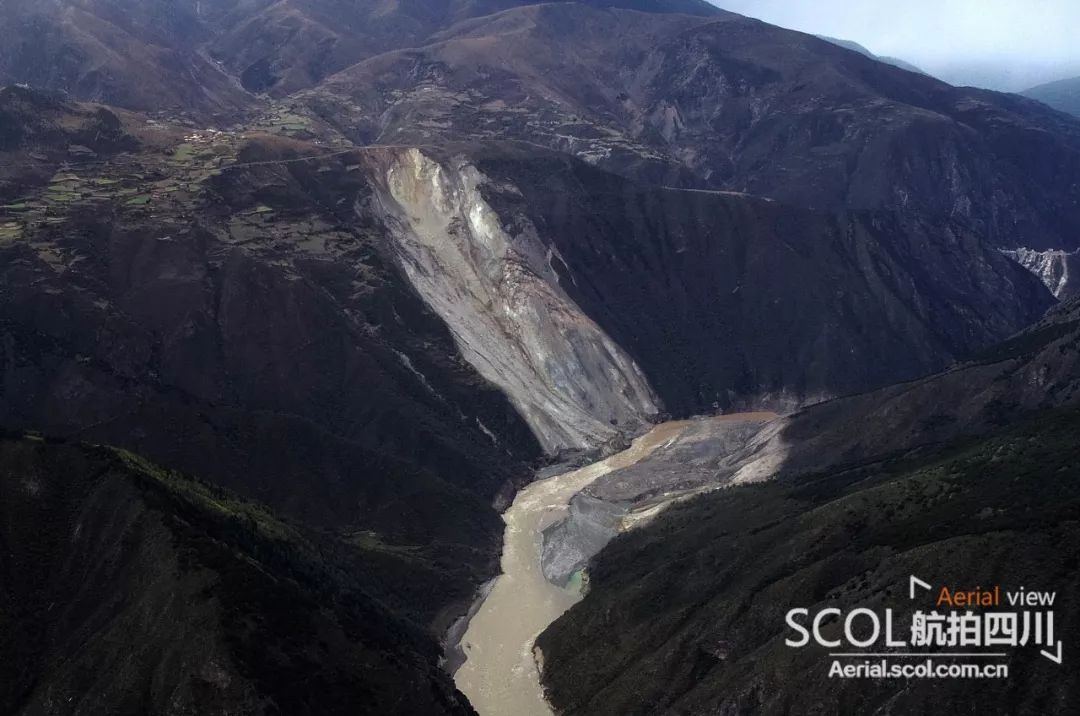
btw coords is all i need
(1056, 658)
(916, 582)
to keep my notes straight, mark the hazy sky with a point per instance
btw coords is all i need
(1012, 44)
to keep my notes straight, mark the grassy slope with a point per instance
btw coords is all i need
(721, 572)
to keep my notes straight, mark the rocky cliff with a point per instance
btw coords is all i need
(1057, 269)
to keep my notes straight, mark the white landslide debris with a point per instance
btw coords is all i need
(1059, 270)
(501, 299)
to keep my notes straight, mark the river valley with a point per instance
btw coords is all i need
(500, 674)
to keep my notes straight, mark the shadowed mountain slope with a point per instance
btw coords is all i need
(726, 299)
(1034, 371)
(427, 246)
(253, 286)
(130, 590)
(686, 615)
(856, 47)
(244, 327)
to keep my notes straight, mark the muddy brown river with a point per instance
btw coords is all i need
(500, 674)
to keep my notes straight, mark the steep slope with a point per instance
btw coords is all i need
(1033, 371)
(209, 58)
(1059, 270)
(722, 300)
(856, 47)
(675, 93)
(500, 296)
(243, 326)
(595, 304)
(129, 590)
(282, 47)
(1063, 95)
(726, 103)
(686, 615)
(129, 53)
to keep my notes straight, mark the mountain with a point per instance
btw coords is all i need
(1063, 95)
(684, 614)
(1036, 370)
(724, 103)
(252, 295)
(128, 589)
(1059, 270)
(274, 352)
(856, 47)
(371, 265)
(211, 57)
(1003, 74)
(687, 615)
(687, 282)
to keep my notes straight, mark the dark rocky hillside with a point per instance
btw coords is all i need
(969, 476)
(725, 298)
(856, 47)
(211, 58)
(373, 263)
(681, 94)
(265, 345)
(125, 589)
(727, 103)
(686, 616)
(1033, 371)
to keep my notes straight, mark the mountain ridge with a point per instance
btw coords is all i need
(1063, 95)
(686, 614)
(374, 264)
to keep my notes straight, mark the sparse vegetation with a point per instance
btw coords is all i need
(231, 583)
(726, 567)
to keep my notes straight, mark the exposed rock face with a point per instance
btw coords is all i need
(735, 302)
(706, 454)
(500, 295)
(1059, 270)
(677, 209)
(246, 328)
(570, 543)
(558, 280)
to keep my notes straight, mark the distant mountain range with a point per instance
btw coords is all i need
(856, 47)
(1063, 95)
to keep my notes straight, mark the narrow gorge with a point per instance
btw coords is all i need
(501, 670)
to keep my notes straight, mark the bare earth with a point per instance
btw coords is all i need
(500, 674)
